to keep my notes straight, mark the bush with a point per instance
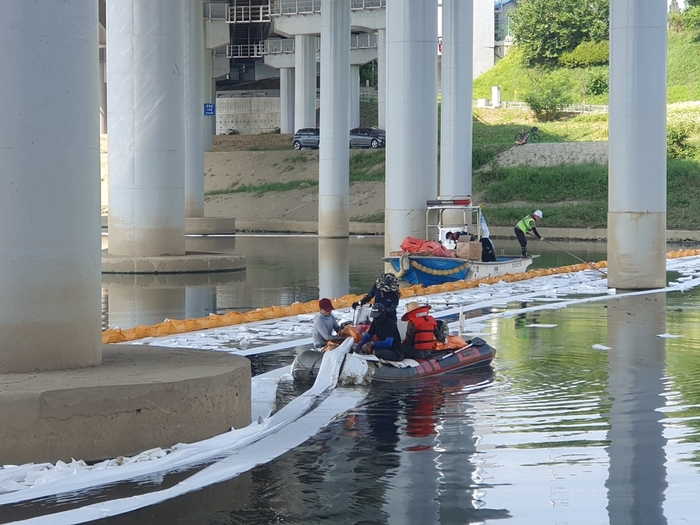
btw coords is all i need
(677, 141)
(549, 99)
(598, 84)
(587, 54)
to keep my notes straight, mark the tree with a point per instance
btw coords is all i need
(692, 3)
(544, 29)
(674, 7)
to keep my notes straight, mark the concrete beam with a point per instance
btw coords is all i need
(637, 147)
(310, 24)
(141, 397)
(50, 166)
(358, 57)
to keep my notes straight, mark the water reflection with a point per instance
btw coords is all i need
(637, 473)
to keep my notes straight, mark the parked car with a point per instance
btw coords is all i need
(306, 138)
(367, 138)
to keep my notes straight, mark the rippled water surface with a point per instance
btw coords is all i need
(587, 416)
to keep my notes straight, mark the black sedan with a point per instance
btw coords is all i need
(367, 138)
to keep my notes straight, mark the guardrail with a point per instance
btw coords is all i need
(572, 108)
(243, 12)
(245, 50)
(275, 46)
(305, 7)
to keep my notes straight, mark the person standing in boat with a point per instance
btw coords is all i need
(421, 330)
(488, 249)
(325, 324)
(525, 226)
(384, 291)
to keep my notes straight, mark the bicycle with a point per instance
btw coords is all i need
(530, 136)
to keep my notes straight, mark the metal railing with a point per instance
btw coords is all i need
(363, 41)
(245, 50)
(216, 11)
(358, 5)
(572, 108)
(302, 7)
(275, 46)
(244, 12)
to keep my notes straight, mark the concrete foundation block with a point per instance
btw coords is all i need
(209, 226)
(189, 263)
(141, 397)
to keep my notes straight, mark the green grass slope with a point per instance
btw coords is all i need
(515, 79)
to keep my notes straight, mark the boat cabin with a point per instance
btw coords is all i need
(452, 215)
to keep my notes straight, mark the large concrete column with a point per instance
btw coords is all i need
(209, 95)
(484, 36)
(354, 96)
(457, 89)
(146, 124)
(411, 153)
(381, 77)
(334, 160)
(637, 159)
(194, 107)
(50, 172)
(305, 81)
(287, 100)
(103, 98)
(333, 267)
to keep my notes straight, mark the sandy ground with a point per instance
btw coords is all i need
(265, 159)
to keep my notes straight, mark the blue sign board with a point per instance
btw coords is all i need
(209, 110)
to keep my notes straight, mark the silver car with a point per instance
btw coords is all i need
(367, 138)
(306, 138)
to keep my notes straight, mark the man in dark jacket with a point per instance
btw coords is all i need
(388, 345)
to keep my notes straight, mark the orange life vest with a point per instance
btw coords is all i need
(425, 332)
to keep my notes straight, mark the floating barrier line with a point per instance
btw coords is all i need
(174, 326)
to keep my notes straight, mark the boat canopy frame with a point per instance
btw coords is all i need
(435, 219)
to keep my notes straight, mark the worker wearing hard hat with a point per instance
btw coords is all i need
(525, 226)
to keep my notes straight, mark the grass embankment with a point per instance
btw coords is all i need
(515, 79)
(577, 196)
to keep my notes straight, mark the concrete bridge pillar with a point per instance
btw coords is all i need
(457, 89)
(194, 108)
(50, 165)
(381, 77)
(411, 152)
(287, 100)
(334, 165)
(146, 128)
(333, 267)
(354, 96)
(305, 81)
(637, 158)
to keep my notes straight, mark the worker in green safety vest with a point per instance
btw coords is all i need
(525, 226)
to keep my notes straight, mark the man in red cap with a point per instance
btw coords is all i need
(325, 324)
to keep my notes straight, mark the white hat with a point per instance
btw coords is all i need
(538, 213)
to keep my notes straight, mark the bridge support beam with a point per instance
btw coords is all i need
(287, 100)
(456, 121)
(305, 81)
(50, 165)
(354, 96)
(381, 77)
(637, 148)
(411, 152)
(334, 163)
(194, 108)
(146, 128)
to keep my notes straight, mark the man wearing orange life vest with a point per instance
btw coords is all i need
(421, 329)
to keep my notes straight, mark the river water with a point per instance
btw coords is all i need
(586, 416)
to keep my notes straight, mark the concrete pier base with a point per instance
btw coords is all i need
(139, 398)
(191, 262)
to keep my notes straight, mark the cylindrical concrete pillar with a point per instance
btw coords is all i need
(381, 77)
(146, 128)
(637, 152)
(334, 163)
(305, 81)
(194, 107)
(456, 119)
(287, 100)
(50, 170)
(354, 96)
(411, 152)
(333, 267)
(103, 98)
(209, 96)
